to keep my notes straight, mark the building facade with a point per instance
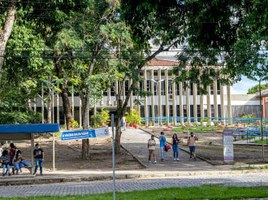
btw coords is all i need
(169, 101)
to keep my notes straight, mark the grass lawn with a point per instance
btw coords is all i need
(265, 141)
(198, 129)
(203, 192)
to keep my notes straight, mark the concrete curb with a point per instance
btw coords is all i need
(136, 158)
(48, 179)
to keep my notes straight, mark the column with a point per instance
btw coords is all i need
(201, 105)
(109, 97)
(145, 98)
(174, 101)
(124, 89)
(181, 104)
(80, 112)
(131, 95)
(195, 101)
(58, 107)
(222, 104)
(208, 103)
(116, 92)
(53, 105)
(72, 103)
(188, 104)
(159, 98)
(42, 104)
(152, 98)
(138, 97)
(35, 105)
(166, 96)
(215, 94)
(229, 105)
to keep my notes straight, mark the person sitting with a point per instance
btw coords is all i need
(19, 162)
(5, 160)
(12, 153)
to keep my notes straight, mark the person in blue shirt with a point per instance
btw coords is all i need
(163, 140)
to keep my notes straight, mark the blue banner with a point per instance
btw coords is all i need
(77, 134)
(84, 134)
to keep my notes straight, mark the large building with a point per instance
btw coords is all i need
(169, 102)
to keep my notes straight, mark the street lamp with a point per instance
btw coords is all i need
(159, 98)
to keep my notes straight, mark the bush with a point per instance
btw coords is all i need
(133, 117)
(101, 118)
(205, 119)
(19, 118)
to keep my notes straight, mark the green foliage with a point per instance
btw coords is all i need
(19, 118)
(75, 124)
(255, 89)
(209, 191)
(205, 119)
(101, 118)
(133, 117)
(248, 116)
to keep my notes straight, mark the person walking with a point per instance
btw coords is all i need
(39, 159)
(175, 146)
(191, 143)
(124, 123)
(151, 147)
(163, 140)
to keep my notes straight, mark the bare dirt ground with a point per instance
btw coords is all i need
(68, 155)
(210, 147)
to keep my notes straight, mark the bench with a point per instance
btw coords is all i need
(12, 168)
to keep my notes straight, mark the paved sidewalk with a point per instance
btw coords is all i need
(135, 141)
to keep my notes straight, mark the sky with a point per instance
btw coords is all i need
(242, 86)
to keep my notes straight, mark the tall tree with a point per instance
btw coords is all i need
(6, 26)
(147, 25)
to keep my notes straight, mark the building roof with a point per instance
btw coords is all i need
(156, 62)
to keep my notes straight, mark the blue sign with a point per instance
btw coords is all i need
(77, 134)
(84, 134)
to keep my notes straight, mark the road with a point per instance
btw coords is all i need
(97, 187)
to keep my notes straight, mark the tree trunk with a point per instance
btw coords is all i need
(66, 106)
(64, 94)
(85, 123)
(49, 108)
(6, 31)
(118, 133)
(118, 124)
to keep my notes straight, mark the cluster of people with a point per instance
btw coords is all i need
(11, 158)
(175, 147)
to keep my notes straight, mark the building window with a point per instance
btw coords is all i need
(177, 89)
(191, 89)
(148, 86)
(211, 89)
(112, 90)
(218, 87)
(170, 86)
(171, 110)
(162, 88)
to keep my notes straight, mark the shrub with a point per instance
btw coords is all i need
(20, 118)
(101, 118)
(133, 117)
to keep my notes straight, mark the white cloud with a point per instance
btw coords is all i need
(242, 86)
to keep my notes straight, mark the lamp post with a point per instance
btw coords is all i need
(158, 91)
